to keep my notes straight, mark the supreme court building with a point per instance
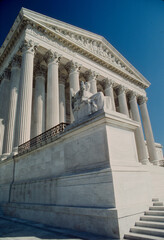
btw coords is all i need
(72, 147)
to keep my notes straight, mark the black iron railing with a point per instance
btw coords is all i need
(161, 163)
(42, 138)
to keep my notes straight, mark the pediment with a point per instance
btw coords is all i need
(86, 41)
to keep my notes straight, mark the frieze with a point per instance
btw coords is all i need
(47, 38)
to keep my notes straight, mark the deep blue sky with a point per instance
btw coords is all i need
(134, 27)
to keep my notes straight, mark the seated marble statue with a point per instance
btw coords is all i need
(84, 103)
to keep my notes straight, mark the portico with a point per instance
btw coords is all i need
(50, 94)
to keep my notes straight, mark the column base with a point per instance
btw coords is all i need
(4, 156)
(145, 162)
(155, 162)
(15, 151)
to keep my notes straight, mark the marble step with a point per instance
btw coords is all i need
(148, 231)
(152, 218)
(135, 236)
(150, 224)
(157, 203)
(154, 213)
(155, 199)
(157, 208)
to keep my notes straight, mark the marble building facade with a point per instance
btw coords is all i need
(49, 71)
(43, 61)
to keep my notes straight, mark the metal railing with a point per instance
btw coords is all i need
(41, 139)
(161, 163)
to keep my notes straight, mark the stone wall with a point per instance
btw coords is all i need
(6, 178)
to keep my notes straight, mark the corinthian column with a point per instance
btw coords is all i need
(52, 117)
(2, 129)
(141, 148)
(92, 75)
(25, 97)
(4, 103)
(39, 102)
(148, 131)
(5, 90)
(14, 89)
(123, 107)
(109, 92)
(74, 84)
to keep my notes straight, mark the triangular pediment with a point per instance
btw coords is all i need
(88, 42)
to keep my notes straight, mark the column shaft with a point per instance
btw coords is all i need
(2, 129)
(123, 107)
(33, 115)
(25, 97)
(5, 90)
(62, 110)
(52, 117)
(92, 81)
(4, 106)
(109, 92)
(74, 84)
(10, 130)
(74, 79)
(148, 131)
(39, 105)
(141, 148)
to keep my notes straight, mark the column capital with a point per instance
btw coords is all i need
(108, 83)
(2, 121)
(142, 100)
(51, 56)
(40, 71)
(6, 74)
(16, 62)
(122, 89)
(63, 74)
(29, 46)
(62, 79)
(73, 66)
(91, 75)
(132, 95)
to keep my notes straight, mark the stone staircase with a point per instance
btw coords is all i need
(151, 225)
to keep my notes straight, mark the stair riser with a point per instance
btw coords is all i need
(155, 199)
(137, 237)
(154, 213)
(148, 232)
(153, 219)
(156, 208)
(150, 225)
(158, 204)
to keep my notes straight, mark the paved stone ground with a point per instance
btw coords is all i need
(21, 230)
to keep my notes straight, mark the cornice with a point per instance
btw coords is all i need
(81, 41)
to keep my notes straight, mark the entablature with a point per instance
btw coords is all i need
(91, 46)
